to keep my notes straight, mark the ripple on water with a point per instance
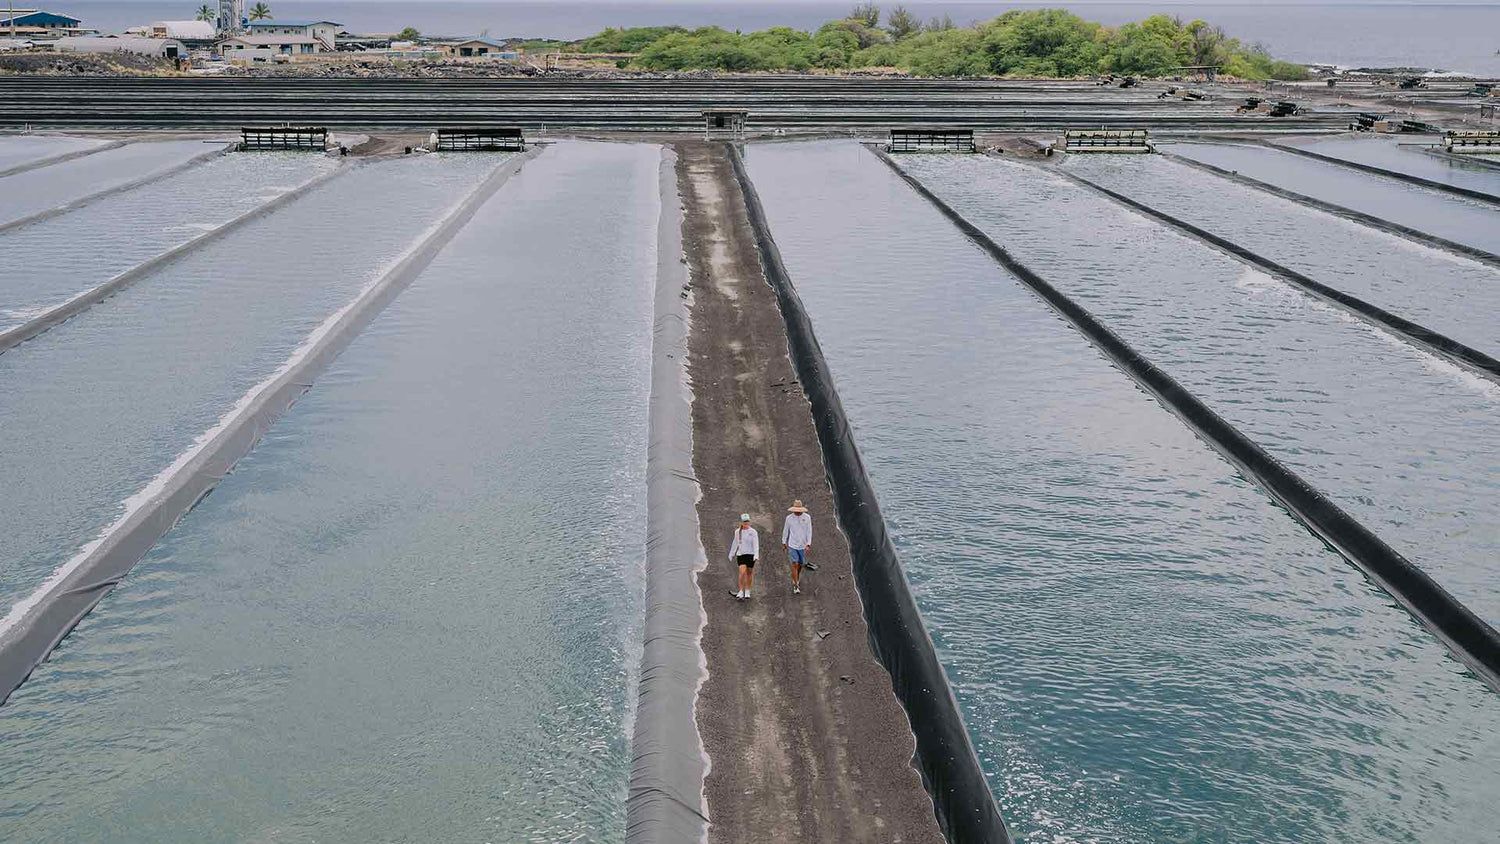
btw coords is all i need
(412, 613)
(1145, 648)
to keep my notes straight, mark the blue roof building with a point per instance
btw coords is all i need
(38, 19)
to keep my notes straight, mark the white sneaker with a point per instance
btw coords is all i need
(796, 590)
(747, 594)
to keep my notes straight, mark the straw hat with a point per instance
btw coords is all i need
(797, 507)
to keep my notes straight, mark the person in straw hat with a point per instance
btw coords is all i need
(796, 539)
(744, 551)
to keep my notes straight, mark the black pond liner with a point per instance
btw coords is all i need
(1473, 641)
(1440, 187)
(1420, 335)
(961, 797)
(107, 563)
(1360, 217)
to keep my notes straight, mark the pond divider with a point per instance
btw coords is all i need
(1419, 335)
(1441, 187)
(35, 625)
(120, 188)
(87, 299)
(965, 806)
(59, 159)
(664, 801)
(1414, 235)
(1468, 636)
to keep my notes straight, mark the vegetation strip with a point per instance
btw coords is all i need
(961, 795)
(35, 626)
(1472, 640)
(1441, 187)
(1419, 335)
(83, 301)
(1360, 217)
(75, 204)
(1039, 42)
(59, 159)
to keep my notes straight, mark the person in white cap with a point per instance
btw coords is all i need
(744, 550)
(796, 540)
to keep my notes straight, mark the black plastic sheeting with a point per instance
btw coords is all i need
(82, 302)
(664, 802)
(1340, 211)
(120, 188)
(1441, 187)
(29, 643)
(961, 797)
(1466, 635)
(1420, 335)
(59, 159)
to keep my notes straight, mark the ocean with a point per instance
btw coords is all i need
(1462, 38)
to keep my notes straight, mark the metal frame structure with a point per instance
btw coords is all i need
(1473, 142)
(481, 138)
(1107, 140)
(718, 122)
(313, 138)
(931, 140)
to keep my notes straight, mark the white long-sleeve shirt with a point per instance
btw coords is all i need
(796, 533)
(746, 541)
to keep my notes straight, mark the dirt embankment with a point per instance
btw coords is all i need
(806, 740)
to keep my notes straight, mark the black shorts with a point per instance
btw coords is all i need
(746, 560)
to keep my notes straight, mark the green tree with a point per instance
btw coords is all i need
(1045, 42)
(409, 34)
(901, 23)
(937, 24)
(205, 13)
(261, 12)
(1140, 50)
(632, 40)
(1207, 44)
(866, 35)
(866, 13)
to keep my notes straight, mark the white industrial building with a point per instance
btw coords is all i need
(168, 48)
(184, 31)
(481, 47)
(323, 33)
(264, 47)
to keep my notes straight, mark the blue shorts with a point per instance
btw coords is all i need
(798, 555)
